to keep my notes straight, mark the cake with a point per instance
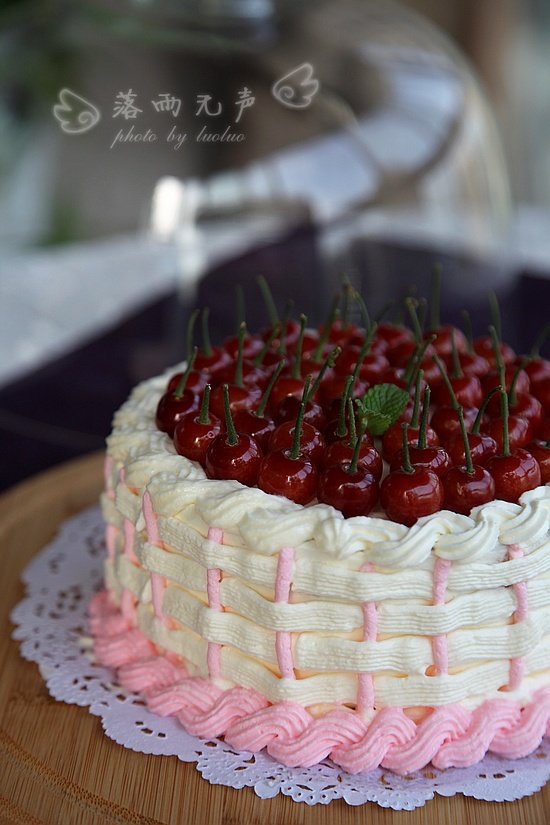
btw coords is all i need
(291, 627)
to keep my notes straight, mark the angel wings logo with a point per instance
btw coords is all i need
(297, 88)
(75, 114)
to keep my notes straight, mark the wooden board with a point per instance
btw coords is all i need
(57, 767)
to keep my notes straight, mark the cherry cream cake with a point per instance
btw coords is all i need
(334, 544)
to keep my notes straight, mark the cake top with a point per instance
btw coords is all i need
(380, 418)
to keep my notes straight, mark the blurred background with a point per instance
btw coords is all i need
(155, 153)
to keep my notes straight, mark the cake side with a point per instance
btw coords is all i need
(429, 633)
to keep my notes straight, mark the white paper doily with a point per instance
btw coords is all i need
(52, 626)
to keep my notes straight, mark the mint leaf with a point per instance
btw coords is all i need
(382, 405)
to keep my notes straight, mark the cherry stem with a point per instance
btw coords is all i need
(495, 314)
(481, 411)
(265, 397)
(189, 333)
(468, 331)
(406, 460)
(259, 359)
(204, 417)
(435, 302)
(180, 389)
(347, 293)
(323, 338)
(351, 424)
(501, 369)
(457, 369)
(241, 311)
(416, 404)
(424, 419)
(267, 295)
(296, 372)
(329, 362)
(239, 362)
(512, 394)
(206, 343)
(341, 429)
(441, 367)
(363, 352)
(467, 450)
(281, 349)
(412, 304)
(415, 360)
(232, 438)
(295, 448)
(363, 309)
(504, 414)
(357, 445)
(539, 341)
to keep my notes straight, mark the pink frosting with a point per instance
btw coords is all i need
(517, 665)
(439, 643)
(283, 639)
(365, 693)
(213, 579)
(448, 736)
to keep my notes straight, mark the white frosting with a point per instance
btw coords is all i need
(324, 616)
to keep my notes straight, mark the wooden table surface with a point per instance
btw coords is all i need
(56, 765)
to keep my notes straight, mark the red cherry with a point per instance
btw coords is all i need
(465, 490)
(445, 421)
(484, 346)
(194, 433)
(240, 398)
(314, 415)
(392, 334)
(435, 459)
(471, 364)
(285, 386)
(519, 431)
(251, 346)
(210, 358)
(514, 474)
(525, 406)
(406, 496)
(312, 443)
(251, 374)
(538, 369)
(492, 379)
(333, 388)
(540, 450)
(341, 452)
(392, 439)
(260, 428)
(400, 354)
(482, 448)
(467, 390)
(543, 430)
(196, 381)
(233, 456)
(353, 493)
(444, 337)
(171, 408)
(541, 390)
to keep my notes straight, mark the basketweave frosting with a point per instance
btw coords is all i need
(302, 605)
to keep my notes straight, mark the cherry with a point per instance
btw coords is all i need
(255, 422)
(196, 381)
(540, 450)
(466, 388)
(446, 338)
(543, 430)
(482, 448)
(341, 450)
(471, 364)
(210, 358)
(541, 391)
(193, 434)
(312, 443)
(445, 421)
(240, 396)
(538, 368)
(392, 334)
(349, 487)
(421, 455)
(493, 379)
(518, 429)
(411, 492)
(173, 405)
(233, 456)
(467, 485)
(287, 472)
(314, 414)
(337, 428)
(515, 470)
(392, 439)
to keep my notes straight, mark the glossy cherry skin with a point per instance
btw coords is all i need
(470, 363)
(467, 389)
(514, 474)
(332, 388)
(212, 363)
(170, 409)
(538, 369)
(543, 430)
(314, 415)
(331, 434)
(443, 343)
(484, 346)
(283, 387)
(445, 421)
(541, 390)
(240, 398)
(482, 448)
(464, 490)
(400, 354)
(526, 406)
(392, 334)
(240, 461)
(252, 375)
(492, 379)
(260, 428)
(520, 431)
(192, 439)
(433, 458)
(251, 346)
(354, 494)
(407, 496)
(196, 381)
(340, 452)
(392, 440)
(312, 443)
(295, 479)
(541, 453)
